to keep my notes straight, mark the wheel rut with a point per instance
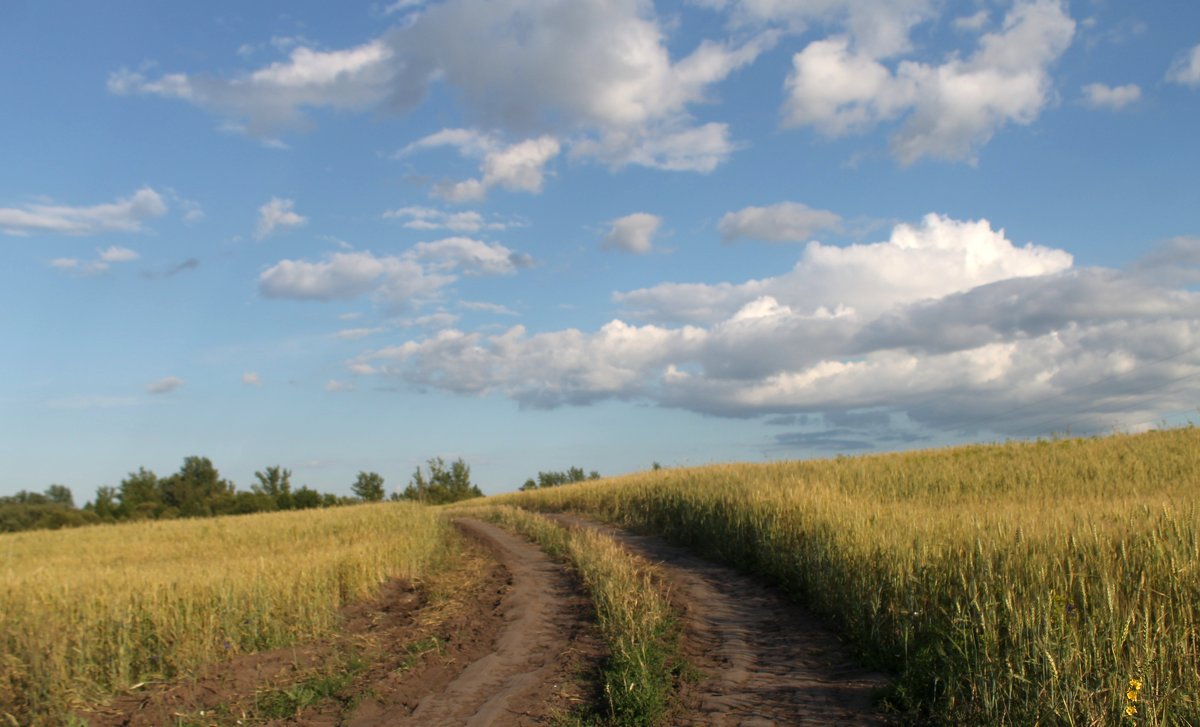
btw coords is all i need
(764, 660)
(521, 680)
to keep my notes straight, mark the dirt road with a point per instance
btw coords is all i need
(521, 681)
(765, 661)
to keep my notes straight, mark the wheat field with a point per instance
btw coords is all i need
(87, 612)
(1051, 582)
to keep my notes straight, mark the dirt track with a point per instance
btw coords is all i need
(765, 661)
(518, 683)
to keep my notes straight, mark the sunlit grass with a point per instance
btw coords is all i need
(1017, 584)
(87, 612)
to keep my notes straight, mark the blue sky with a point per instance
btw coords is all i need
(545, 233)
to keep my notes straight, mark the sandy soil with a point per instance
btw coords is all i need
(764, 660)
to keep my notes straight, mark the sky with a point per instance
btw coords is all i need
(538, 234)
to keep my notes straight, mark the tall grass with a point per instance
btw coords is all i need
(632, 610)
(1055, 582)
(84, 613)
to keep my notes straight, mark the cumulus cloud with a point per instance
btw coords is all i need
(989, 336)
(783, 222)
(165, 385)
(274, 96)
(397, 282)
(354, 334)
(879, 27)
(951, 109)
(598, 69)
(335, 385)
(117, 254)
(518, 167)
(1113, 98)
(275, 214)
(632, 233)
(1186, 68)
(427, 218)
(938, 257)
(251, 378)
(124, 215)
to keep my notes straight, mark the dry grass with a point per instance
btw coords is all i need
(1026, 583)
(88, 612)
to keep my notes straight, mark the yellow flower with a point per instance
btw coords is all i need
(1135, 684)
(1130, 711)
(1131, 695)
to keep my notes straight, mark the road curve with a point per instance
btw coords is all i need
(765, 661)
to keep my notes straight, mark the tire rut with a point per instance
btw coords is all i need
(765, 661)
(521, 681)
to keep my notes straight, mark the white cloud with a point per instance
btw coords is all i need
(124, 215)
(397, 282)
(483, 307)
(632, 233)
(338, 386)
(274, 96)
(165, 385)
(251, 378)
(951, 109)
(783, 222)
(65, 263)
(939, 257)
(1186, 68)
(597, 70)
(1114, 98)
(115, 254)
(878, 27)
(275, 214)
(972, 23)
(354, 334)
(1017, 342)
(518, 167)
(427, 218)
(471, 257)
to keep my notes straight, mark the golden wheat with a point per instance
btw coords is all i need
(1025, 583)
(86, 612)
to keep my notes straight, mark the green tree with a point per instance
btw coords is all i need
(306, 498)
(444, 484)
(369, 486)
(60, 495)
(554, 479)
(276, 483)
(105, 506)
(197, 489)
(140, 495)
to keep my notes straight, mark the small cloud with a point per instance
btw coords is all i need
(783, 222)
(116, 254)
(276, 214)
(165, 385)
(632, 233)
(1186, 68)
(335, 385)
(362, 369)
(354, 334)
(1113, 98)
(64, 263)
(427, 218)
(487, 308)
(354, 315)
(251, 378)
(972, 23)
(123, 215)
(181, 267)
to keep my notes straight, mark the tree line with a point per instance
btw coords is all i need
(198, 490)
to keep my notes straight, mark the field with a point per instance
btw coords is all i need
(1055, 582)
(87, 612)
(1051, 582)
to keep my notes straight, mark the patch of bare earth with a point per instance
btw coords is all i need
(505, 638)
(764, 661)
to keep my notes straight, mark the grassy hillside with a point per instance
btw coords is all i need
(86, 612)
(1055, 582)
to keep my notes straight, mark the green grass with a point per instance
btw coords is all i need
(633, 613)
(1015, 584)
